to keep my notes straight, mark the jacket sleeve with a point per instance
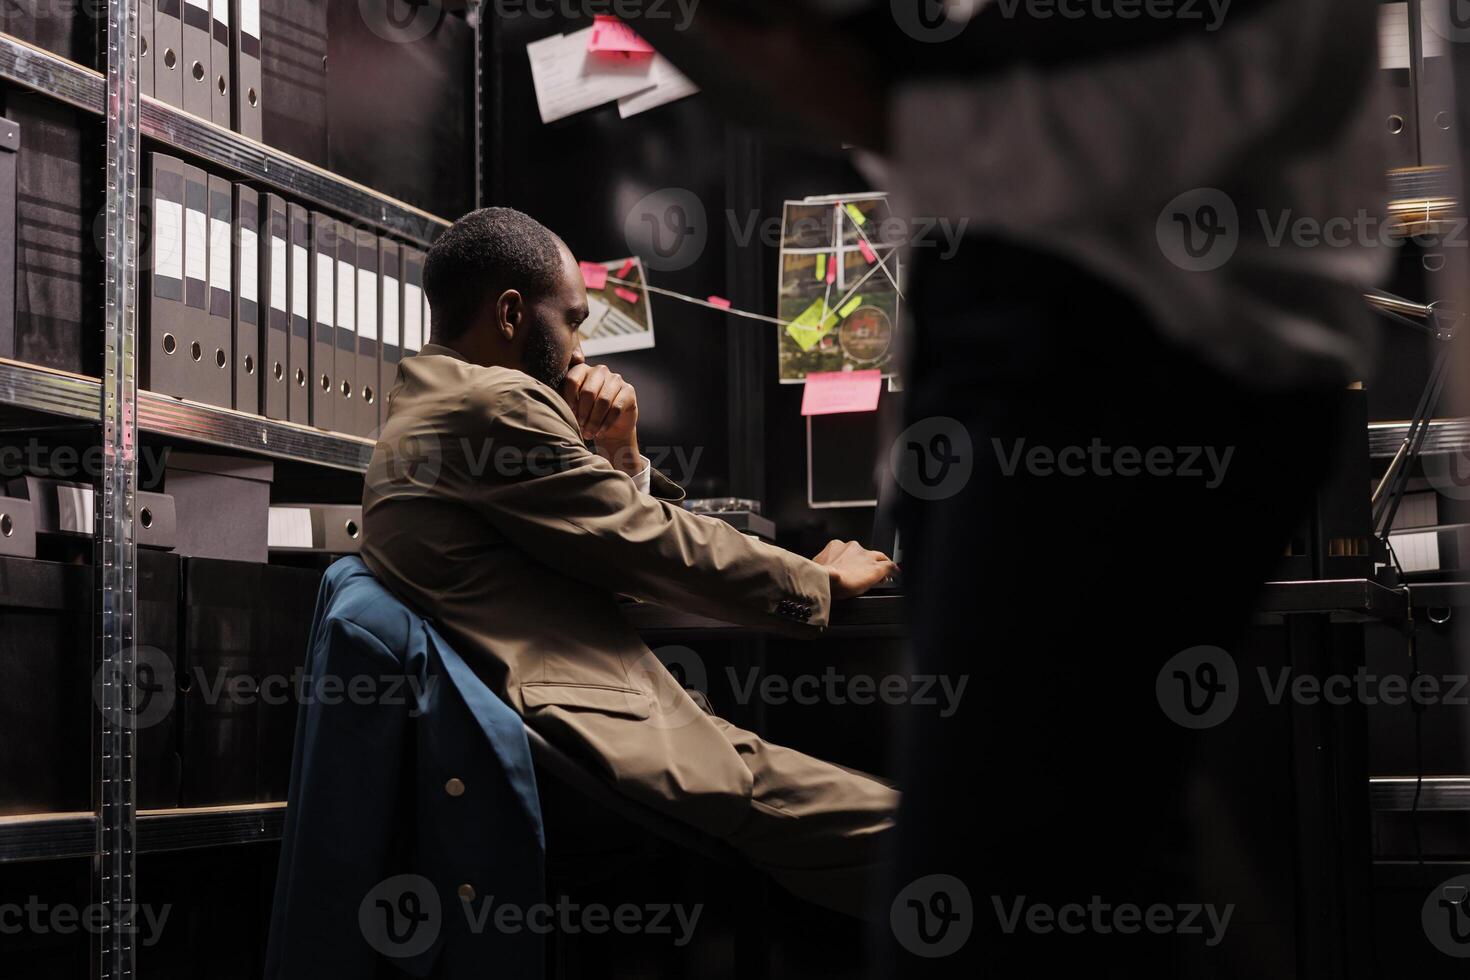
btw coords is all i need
(570, 509)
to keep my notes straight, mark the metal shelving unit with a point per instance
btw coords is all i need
(85, 89)
(115, 832)
(77, 396)
(1445, 436)
(55, 836)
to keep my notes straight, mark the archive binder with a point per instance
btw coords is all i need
(245, 36)
(323, 289)
(196, 281)
(164, 362)
(216, 366)
(247, 299)
(414, 327)
(275, 330)
(367, 332)
(197, 100)
(298, 280)
(219, 62)
(145, 47)
(346, 359)
(390, 300)
(168, 66)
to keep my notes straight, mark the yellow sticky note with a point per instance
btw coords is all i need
(849, 306)
(813, 324)
(857, 215)
(821, 267)
(806, 337)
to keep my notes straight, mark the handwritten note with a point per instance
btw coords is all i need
(834, 392)
(569, 79)
(627, 295)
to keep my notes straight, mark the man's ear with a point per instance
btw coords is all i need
(510, 315)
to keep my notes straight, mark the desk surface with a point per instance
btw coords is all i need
(883, 615)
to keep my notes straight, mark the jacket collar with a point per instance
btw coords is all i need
(443, 351)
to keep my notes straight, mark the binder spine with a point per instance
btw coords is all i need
(390, 306)
(196, 280)
(323, 330)
(218, 347)
(245, 30)
(219, 62)
(298, 280)
(247, 300)
(197, 100)
(367, 333)
(168, 64)
(275, 325)
(348, 418)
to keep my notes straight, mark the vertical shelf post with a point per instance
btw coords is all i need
(113, 512)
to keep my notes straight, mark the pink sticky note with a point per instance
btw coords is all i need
(612, 36)
(832, 392)
(831, 270)
(867, 252)
(627, 295)
(626, 268)
(594, 274)
(719, 301)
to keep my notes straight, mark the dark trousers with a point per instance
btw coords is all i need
(1092, 540)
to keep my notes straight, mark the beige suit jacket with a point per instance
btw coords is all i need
(484, 510)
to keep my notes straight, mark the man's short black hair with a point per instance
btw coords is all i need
(482, 255)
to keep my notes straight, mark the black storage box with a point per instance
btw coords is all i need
(246, 627)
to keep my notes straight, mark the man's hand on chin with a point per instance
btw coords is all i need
(606, 409)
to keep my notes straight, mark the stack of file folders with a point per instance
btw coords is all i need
(258, 304)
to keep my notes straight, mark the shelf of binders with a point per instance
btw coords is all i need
(85, 89)
(77, 396)
(56, 836)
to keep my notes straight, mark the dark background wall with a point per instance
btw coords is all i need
(709, 386)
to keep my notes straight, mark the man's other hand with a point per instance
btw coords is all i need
(606, 409)
(853, 568)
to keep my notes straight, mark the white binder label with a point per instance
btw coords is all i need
(413, 317)
(250, 17)
(346, 308)
(196, 250)
(168, 239)
(288, 527)
(300, 269)
(74, 509)
(219, 254)
(390, 311)
(324, 286)
(367, 304)
(201, 4)
(222, 11)
(249, 265)
(278, 274)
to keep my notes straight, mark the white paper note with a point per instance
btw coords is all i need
(670, 85)
(570, 79)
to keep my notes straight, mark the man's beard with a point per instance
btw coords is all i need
(544, 360)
